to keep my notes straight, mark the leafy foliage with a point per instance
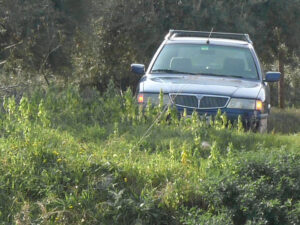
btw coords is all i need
(71, 157)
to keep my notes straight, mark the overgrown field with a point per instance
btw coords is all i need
(70, 157)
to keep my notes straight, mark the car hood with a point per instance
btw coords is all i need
(233, 87)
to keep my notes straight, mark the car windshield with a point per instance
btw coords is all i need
(204, 59)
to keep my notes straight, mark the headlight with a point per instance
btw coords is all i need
(154, 98)
(239, 103)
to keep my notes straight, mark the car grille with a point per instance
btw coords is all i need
(199, 101)
(186, 100)
(213, 102)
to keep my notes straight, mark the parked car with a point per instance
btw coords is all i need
(207, 71)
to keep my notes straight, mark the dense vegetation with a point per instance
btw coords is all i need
(75, 148)
(71, 157)
(88, 42)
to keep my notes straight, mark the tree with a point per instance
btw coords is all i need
(91, 41)
(277, 34)
(36, 38)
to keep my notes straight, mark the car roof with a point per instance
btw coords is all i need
(214, 41)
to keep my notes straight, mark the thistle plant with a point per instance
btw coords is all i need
(9, 105)
(195, 120)
(229, 126)
(240, 126)
(224, 120)
(197, 145)
(9, 122)
(218, 120)
(230, 150)
(184, 113)
(130, 107)
(24, 115)
(184, 154)
(171, 150)
(211, 121)
(141, 116)
(214, 158)
(116, 129)
(174, 116)
(230, 155)
(161, 100)
(183, 119)
(165, 115)
(23, 110)
(43, 115)
(149, 110)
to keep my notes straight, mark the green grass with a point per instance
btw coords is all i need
(69, 160)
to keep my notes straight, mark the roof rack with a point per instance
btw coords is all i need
(186, 33)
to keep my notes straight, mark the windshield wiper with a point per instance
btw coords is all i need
(180, 72)
(236, 76)
(221, 75)
(170, 71)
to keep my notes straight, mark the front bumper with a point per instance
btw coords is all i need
(250, 118)
(232, 114)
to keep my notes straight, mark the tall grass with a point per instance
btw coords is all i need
(284, 121)
(71, 157)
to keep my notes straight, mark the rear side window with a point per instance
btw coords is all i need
(207, 59)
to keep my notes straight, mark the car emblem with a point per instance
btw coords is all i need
(199, 97)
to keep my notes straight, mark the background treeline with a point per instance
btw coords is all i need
(89, 42)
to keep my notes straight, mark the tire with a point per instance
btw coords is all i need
(263, 126)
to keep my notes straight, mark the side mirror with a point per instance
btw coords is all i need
(272, 77)
(138, 69)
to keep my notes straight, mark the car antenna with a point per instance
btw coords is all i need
(212, 29)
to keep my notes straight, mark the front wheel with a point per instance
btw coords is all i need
(263, 126)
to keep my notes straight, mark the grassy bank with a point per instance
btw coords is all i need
(69, 159)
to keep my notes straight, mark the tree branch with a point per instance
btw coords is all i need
(14, 45)
(9, 87)
(46, 58)
(11, 46)
(45, 61)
